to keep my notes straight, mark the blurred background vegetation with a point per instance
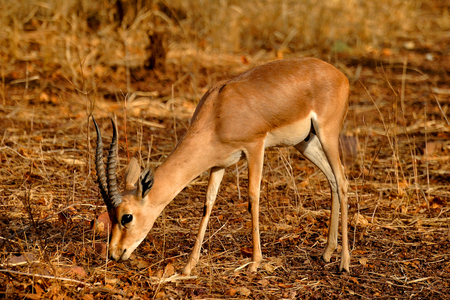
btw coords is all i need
(106, 35)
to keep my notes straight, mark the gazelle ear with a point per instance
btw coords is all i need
(132, 173)
(145, 183)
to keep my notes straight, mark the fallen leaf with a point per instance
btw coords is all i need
(269, 268)
(363, 261)
(433, 147)
(112, 281)
(244, 291)
(100, 249)
(140, 264)
(354, 280)
(169, 270)
(231, 292)
(18, 260)
(247, 252)
(75, 270)
(103, 223)
(38, 289)
(437, 203)
(263, 282)
(359, 220)
(160, 294)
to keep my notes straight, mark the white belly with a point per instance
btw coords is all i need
(291, 134)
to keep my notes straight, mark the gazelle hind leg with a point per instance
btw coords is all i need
(211, 194)
(328, 139)
(312, 150)
(331, 149)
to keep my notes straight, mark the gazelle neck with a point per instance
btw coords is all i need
(184, 164)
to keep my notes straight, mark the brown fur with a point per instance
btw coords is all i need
(299, 102)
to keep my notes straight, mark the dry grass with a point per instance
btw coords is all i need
(61, 59)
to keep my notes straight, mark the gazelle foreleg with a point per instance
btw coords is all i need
(255, 159)
(211, 194)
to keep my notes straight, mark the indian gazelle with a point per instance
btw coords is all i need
(299, 102)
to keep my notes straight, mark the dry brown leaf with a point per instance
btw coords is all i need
(263, 282)
(433, 147)
(269, 268)
(244, 291)
(169, 270)
(21, 259)
(140, 263)
(75, 270)
(103, 223)
(160, 294)
(437, 203)
(231, 292)
(354, 280)
(363, 261)
(359, 220)
(100, 249)
(247, 252)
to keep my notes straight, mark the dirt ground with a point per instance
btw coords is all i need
(395, 148)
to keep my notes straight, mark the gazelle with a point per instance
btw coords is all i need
(299, 102)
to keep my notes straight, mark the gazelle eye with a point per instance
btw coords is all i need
(126, 219)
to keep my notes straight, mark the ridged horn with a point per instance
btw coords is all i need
(100, 166)
(114, 197)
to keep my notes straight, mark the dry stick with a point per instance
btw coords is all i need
(395, 150)
(440, 108)
(414, 163)
(107, 251)
(126, 98)
(45, 276)
(426, 154)
(357, 216)
(237, 182)
(407, 135)
(3, 85)
(402, 94)
(39, 222)
(150, 145)
(26, 84)
(394, 144)
(288, 167)
(89, 111)
(172, 104)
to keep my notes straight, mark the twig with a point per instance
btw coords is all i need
(45, 276)
(440, 108)
(39, 222)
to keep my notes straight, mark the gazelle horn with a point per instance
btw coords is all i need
(107, 181)
(100, 166)
(114, 197)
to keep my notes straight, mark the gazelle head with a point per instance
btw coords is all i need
(130, 221)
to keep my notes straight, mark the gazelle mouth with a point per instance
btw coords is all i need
(119, 257)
